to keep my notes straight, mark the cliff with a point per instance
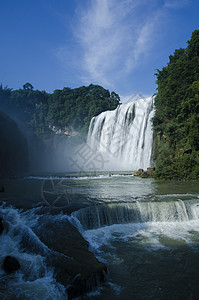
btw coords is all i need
(13, 151)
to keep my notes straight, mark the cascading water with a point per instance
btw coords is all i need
(137, 212)
(124, 136)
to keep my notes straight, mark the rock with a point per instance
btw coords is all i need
(2, 189)
(138, 173)
(10, 264)
(74, 265)
(144, 175)
(150, 171)
(1, 225)
(14, 156)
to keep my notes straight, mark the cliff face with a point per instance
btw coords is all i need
(13, 150)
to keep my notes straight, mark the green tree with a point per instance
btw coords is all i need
(176, 120)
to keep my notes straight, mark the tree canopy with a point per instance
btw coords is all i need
(67, 107)
(176, 121)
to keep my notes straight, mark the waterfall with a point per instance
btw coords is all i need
(124, 136)
(137, 212)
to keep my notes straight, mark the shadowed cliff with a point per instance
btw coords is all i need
(13, 148)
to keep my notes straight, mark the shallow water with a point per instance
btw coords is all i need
(153, 253)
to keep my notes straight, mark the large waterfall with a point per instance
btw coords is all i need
(124, 136)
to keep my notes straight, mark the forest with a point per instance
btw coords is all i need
(176, 121)
(39, 111)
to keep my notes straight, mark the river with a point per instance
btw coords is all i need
(145, 231)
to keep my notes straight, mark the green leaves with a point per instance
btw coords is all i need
(63, 108)
(176, 120)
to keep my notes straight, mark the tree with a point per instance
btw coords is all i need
(176, 120)
(27, 86)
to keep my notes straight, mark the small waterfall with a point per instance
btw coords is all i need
(137, 212)
(124, 135)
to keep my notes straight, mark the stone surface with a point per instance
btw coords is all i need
(138, 172)
(145, 174)
(10, 264)
(1, 225)
(75, 266)
(14, 158)
(150, 170)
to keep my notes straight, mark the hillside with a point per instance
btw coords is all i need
(13, 151)
(66, 110)
(176, 121)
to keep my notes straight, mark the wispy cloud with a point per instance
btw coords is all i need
(103, 35)
(114, 37)
(176, 3)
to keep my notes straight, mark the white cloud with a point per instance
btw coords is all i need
(176, 3)
(103, 35)
(113, 37)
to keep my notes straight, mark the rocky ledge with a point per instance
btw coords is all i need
(145, 174)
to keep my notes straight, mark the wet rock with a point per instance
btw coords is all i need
(145, 174)
(75, 266)
(1, 225)
(150, 171)
(10, 264)
(81, 284)
(2, 189)
(138, 172)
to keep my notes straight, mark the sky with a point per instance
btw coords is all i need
(118, 44)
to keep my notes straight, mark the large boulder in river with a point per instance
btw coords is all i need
(75, 266)
(10, 264)
(14, 150)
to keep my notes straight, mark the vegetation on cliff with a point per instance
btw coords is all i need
(40, 110)
(176, 121)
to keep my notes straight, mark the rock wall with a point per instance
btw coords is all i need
(14, 159)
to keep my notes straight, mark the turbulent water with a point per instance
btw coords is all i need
(124, 136)
(34, 280)
(147, 233)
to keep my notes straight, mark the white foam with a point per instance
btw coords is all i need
(152, 235)
(34, 280)
(80, 177)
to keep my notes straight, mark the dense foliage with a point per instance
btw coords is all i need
(40, 111)
(176, 121)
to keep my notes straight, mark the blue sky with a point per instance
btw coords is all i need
(118, 44)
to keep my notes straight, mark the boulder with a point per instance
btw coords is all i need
(1, 225)
(10, 264)
(75, 266)
(2, 189)
(144, 175)
(138, 172)
(150, 171)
